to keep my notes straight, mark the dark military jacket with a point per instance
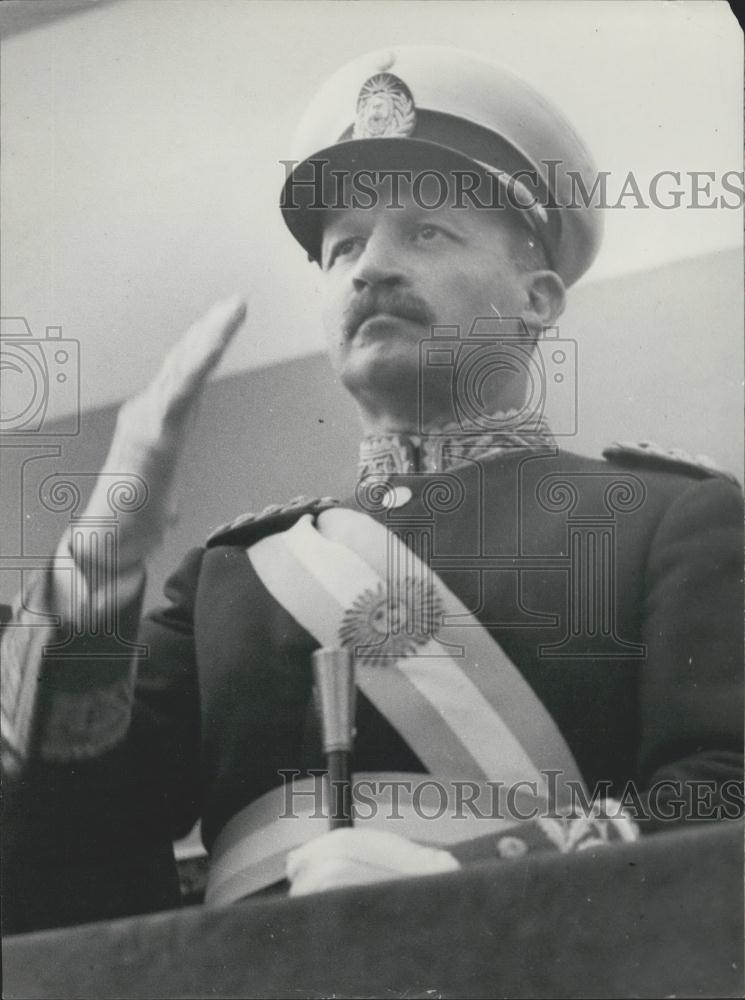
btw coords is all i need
(614, 586)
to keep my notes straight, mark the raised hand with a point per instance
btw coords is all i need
(152, 429)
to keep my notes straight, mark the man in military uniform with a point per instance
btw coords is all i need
(520, 615)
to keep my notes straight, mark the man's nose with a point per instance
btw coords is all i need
(380, 263)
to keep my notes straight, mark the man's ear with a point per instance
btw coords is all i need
(546, 299)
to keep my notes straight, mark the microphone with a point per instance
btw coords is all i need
(334, 690)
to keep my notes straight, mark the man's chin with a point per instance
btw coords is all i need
(382, 367)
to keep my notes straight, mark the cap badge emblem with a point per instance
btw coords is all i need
(385, 109)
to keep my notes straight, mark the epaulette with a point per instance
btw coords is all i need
(250, 528)
(649, 454)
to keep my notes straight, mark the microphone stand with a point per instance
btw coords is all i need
(334, 690)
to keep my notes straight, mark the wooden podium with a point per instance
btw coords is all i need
(662, 917)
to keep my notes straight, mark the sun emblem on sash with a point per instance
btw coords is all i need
(386, 623)
(385, 109)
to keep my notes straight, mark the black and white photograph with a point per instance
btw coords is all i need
(371, 456)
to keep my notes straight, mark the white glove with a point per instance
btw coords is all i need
(152, 429)
(353, 856)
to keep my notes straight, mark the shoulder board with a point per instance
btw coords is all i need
(250, 528)
(651, 455)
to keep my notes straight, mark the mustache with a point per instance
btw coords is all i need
(395, 301)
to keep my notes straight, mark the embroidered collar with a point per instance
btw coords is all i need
(438, 451)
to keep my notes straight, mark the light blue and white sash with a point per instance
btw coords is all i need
(454, 695)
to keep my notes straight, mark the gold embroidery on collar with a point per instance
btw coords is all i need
(438, 451)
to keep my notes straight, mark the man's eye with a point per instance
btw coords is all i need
(344, 247)
(429, 233)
